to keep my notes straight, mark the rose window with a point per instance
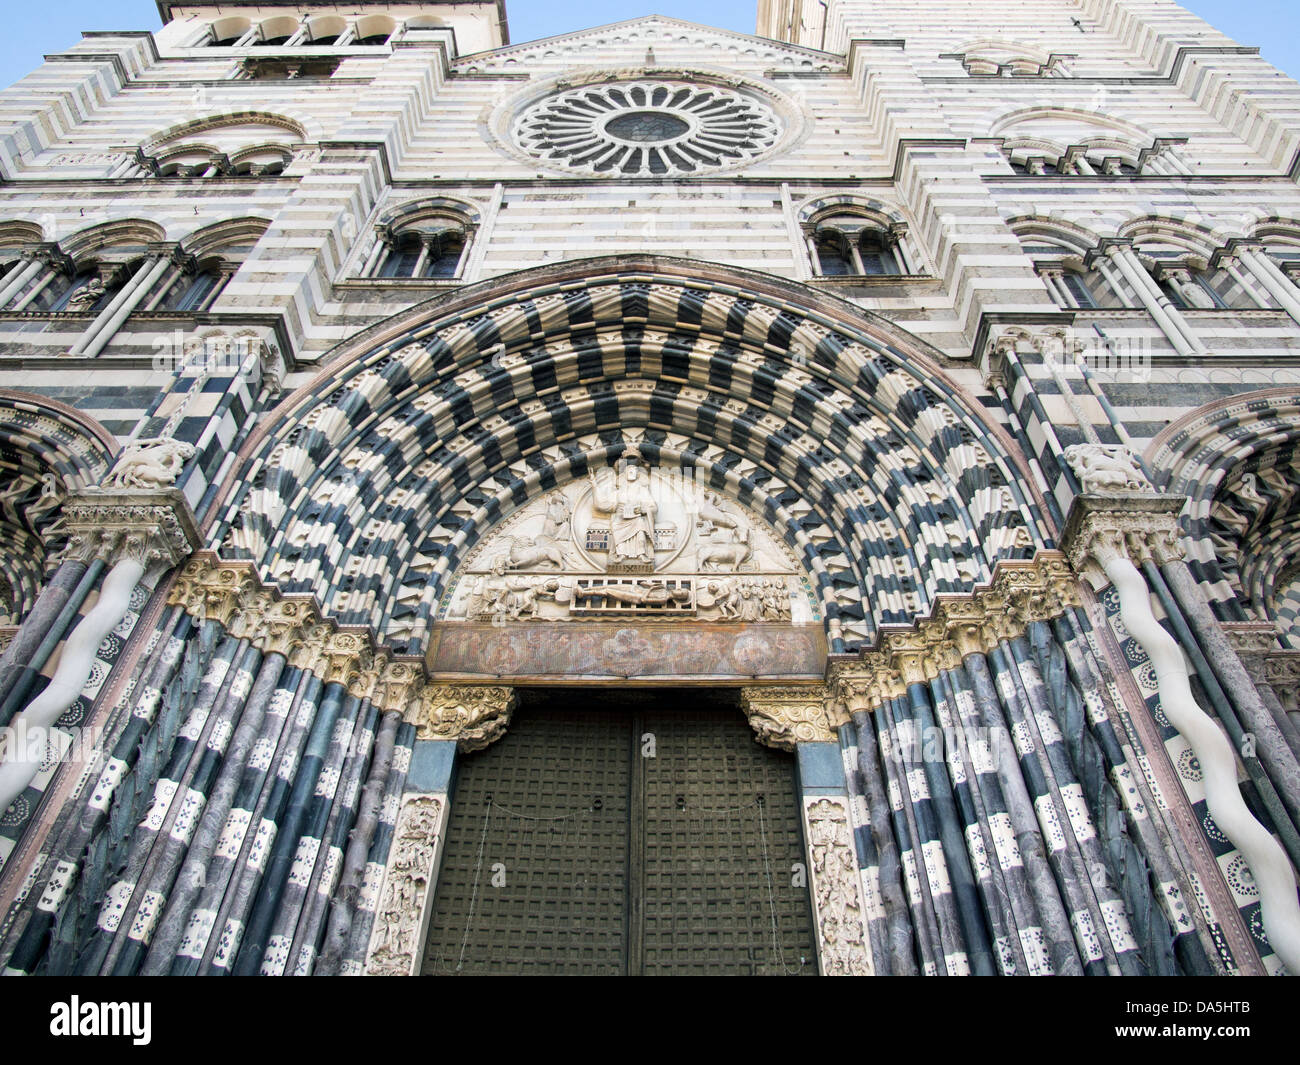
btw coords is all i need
(647, 128)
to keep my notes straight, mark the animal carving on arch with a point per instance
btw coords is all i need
(529, 552)
(726, 557)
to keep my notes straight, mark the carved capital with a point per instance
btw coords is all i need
(786, 717)
(399, 682)
(1021, 593)
(310, 653)
(209, 589)
(345, 657)
(1251, 637)
(149, 527)
(281, 624)
(1139, 527)
(473, 716)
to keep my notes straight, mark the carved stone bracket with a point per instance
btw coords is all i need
(473, 716)
(401, 914)
(1021, 592)
(150, 527)
(840, 915)
(1139, 526)
(786, 717)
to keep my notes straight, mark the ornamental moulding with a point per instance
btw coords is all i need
(232, 594)
(1020, 593)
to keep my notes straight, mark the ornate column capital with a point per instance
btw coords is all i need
(280, 624)
(863, 683)
(1021, 592)
(209, 589)
(398, 684)
(786, 717)
(1139, 526)
(345, 657)
(152, 527)
(474, 716)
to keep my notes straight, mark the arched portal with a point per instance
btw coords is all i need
(372, 484)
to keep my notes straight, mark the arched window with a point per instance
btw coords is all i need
(276, 32)
(851, 245)
(325, 31)
(197, 291)
(374, 29)
(833, 256)
(876, 253)
(227, 32)
(423, 253)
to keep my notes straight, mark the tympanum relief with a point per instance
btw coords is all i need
(632, 541)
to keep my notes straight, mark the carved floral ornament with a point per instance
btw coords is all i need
(1142, 527)
(150, 527)
(786, 717)
(1020, 593)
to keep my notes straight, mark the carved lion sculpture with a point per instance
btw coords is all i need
(1106, 468)
(152, 463)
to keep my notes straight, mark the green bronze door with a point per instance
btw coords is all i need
(632, 833)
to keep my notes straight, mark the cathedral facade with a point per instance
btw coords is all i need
(651, 500)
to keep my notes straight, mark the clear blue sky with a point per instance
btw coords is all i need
(33, 28)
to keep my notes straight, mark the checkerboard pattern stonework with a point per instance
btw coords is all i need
(354, 365)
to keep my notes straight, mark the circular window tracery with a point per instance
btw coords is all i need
(647, 128)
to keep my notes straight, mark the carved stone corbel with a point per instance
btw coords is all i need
(786, 717)
(473, 716)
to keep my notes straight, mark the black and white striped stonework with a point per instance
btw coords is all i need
(411, 452)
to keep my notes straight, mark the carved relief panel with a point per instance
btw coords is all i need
(629, 542)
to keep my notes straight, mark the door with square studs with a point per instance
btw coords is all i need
(623, 833)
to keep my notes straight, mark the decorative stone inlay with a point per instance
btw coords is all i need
(647, 128)
(1140, 526)
(839, 914)
(473, 716)
(398, 937)
(786, 717)
(1021, 592)
(148, 526)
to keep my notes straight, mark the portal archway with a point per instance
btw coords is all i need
(370, 485)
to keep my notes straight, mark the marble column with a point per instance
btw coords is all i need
(1108, 536)
(131, 532)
